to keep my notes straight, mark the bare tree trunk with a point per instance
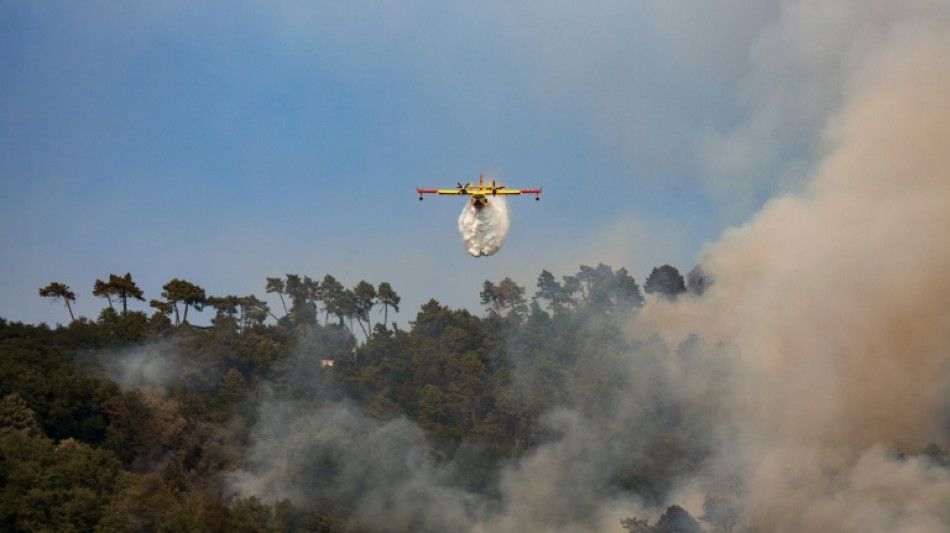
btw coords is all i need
(360, 322)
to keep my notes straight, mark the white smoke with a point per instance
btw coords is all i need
(484, 230)
(377, 470)
(150, 365)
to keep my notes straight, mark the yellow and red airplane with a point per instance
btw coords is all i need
(480, 192)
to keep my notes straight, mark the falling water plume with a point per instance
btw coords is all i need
(484, 230)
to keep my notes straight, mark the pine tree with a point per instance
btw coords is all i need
(56, 291)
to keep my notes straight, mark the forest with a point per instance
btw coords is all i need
(325, 416)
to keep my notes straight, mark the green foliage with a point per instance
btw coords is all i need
(598, 289)
(129, 327)
(43, 376)
(365, 298)
(16, 415)
(480, 389)
(276, 285)
(387, 298)
(505, 298)
(120, 287)
(237, 313)
(304, 294)
(61, 487)
(183, 292)
(57, 291)
(665, 281)
(333, 296)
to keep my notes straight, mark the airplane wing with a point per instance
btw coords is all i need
(440, 191)
(517, 191)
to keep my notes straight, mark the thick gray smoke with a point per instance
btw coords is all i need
(484, 230)
(836, 301)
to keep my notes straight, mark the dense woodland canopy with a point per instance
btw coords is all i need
(138, 422)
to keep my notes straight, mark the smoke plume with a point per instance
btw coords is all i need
(835, 300)
(484, 230)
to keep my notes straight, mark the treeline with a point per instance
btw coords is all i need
(306, 296)
(129, 423)
(80, 453)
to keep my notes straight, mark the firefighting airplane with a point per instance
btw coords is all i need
(480, 192)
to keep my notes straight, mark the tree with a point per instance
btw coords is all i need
(254, 311)
(601, 287)
(572, 286)
(697, 281)
(549, 289)
(122, 287)
(489, 296)
(180, 291)
(346, 308)
(628, 292)
(125, 288)
(585, 278)
(233, 387)
(225, 305)
(56, 291)
(674, 520)
(365, 298)
(720, 512)
(331, 294)
(15, 415)
(506, 295)
(101, 290)
(303, 294)
(311, 295)
(225, 308)
(388, 298)
(677, 520)
(665, 281)
(511, 297)
(295, 288)
(54, 487)
(277, 285)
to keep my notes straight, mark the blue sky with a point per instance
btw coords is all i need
(223, 143)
